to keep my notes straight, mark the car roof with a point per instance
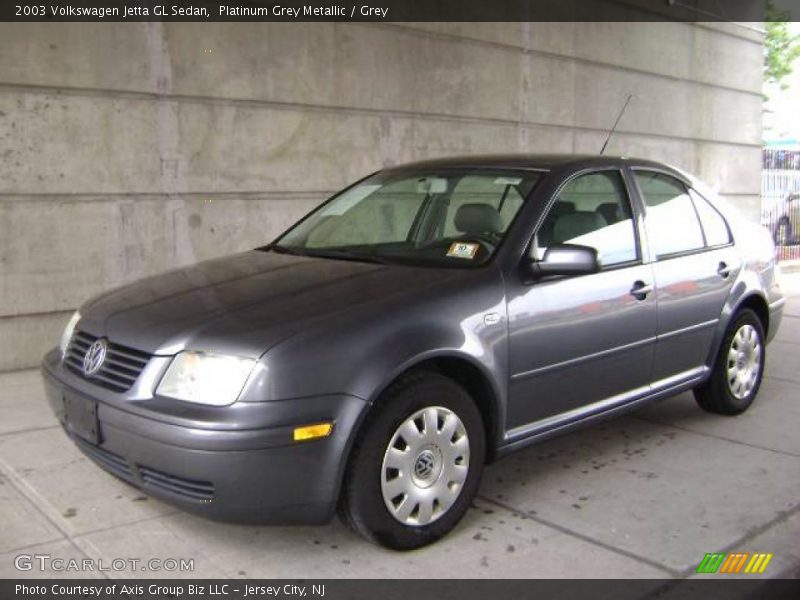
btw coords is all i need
(534, 161)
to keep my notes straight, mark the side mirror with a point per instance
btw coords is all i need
(566, 259)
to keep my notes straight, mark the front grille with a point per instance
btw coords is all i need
(120, 369)
(110, 461)
(196, 490)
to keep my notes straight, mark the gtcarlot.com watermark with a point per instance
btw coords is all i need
(47, 562)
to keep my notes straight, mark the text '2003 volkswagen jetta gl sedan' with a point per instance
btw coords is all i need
(424, 321)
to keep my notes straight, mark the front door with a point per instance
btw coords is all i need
(577, 341)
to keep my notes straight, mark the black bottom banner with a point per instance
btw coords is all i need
(416, 589)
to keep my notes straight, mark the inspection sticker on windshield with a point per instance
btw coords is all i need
(463, 250)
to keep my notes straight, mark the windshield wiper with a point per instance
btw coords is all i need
(326, 253)
(284, 250)
(349, 255)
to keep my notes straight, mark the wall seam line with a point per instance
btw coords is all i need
(378, 112)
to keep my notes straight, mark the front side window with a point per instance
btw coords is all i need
(672, 222)
(591, 210)
(451, 217)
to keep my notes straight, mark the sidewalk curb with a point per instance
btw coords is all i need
(790, 266)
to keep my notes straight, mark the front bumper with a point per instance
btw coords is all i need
(222, 471)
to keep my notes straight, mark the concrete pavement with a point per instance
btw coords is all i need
(645, 495)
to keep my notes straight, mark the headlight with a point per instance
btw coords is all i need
(68, 331)
(213, 379)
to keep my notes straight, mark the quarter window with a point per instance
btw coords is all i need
(672, 222)
(592, 210)
(714, 226)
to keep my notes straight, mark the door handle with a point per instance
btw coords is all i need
(723, 270)
(640, 290)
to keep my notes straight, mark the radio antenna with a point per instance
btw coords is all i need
(614, 127)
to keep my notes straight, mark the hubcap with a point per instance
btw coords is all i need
(744, 361)
(425, 466)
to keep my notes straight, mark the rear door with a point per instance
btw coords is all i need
(694, 264)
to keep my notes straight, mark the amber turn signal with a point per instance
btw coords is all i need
(312, 432)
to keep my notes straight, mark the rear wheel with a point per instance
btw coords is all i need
(416, 464)
(738, 370)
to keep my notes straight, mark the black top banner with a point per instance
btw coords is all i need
(382, 10)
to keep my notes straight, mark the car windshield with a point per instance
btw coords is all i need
(451, 217)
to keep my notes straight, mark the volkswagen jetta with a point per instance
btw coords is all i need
(423, 322)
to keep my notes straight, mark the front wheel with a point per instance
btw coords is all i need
(738, 370)
(416, 464)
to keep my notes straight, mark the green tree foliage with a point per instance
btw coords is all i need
(781, 48)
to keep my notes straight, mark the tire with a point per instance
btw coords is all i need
(783, 233)
(387, 474)
(738, 369)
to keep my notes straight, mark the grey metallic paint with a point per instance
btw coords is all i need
(330, 335)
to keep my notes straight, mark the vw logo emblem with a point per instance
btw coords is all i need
(424, 465)
(95, 357)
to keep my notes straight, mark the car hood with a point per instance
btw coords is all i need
(245, 303)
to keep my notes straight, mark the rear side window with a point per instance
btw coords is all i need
(672, 221)
(714, 225)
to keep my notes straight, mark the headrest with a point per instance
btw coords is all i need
(576, 224)
(478, 218)
(610, 211)
(561, 207)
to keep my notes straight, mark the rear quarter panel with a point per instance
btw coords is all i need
(758, 274)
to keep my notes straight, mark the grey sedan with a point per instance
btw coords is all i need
(420, 324)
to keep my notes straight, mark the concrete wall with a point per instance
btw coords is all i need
(127, 149)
